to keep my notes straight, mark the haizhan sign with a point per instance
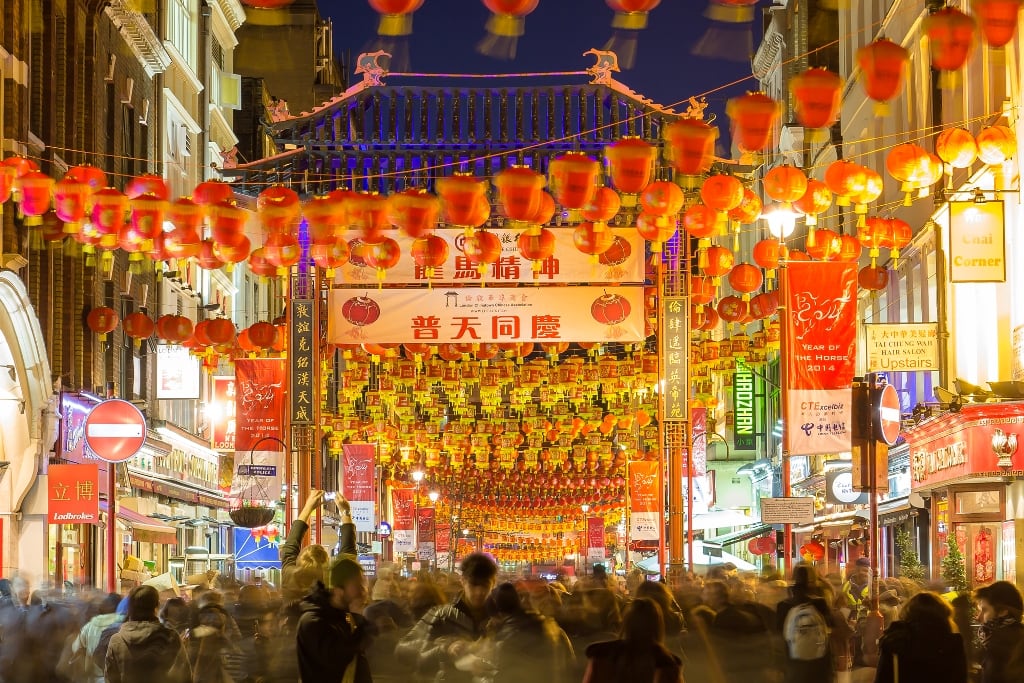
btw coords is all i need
(744, 413)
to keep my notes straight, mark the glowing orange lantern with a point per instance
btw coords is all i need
(35, 192)
(147, 217)
(873, 235)
(148, 183)
(7, 177)
(395, 16)
(825, 246)
(211, 192)
(732, 309)
(174, 328)
(900, 234)
(536, 247)
(482, 248)
(573, 178)
(326, 219)
(138, 326)
(849, 249)
(845, 179)
(998, 19)
(220, 331)
(699, 221)
(431, 252)
(631, 164)
(259, 265)
(746, 279)
(227, 223)
(603, 207)
(592, 240)
(367, 213)
(231, 254)
(950, 40)
(70, 197)
(871, 191)
(996, 144)
(662, 198)
(94, 177)
(330, 256)
(817, 199)
(182, 243)
(656, 229)
(208, 258)
(883, 65)
(753, 117)
(874, 278)
(957, 148)
(785, 184)
(719, 262)
(383, 256)
(506, 23)
(519, 192)
(691, 146)
(461, 196)
(909, 164)
(723, 193)
(702, 290)
(278, 208)
(767, 254)
(281, 250)
(262, 334)
(765, 304)
(108, 209)
(817, 93)
(102, 320)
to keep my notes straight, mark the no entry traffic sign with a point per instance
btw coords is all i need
(115, 430)
(889, 415)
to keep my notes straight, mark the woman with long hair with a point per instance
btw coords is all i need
(639, 655)
(923, 645)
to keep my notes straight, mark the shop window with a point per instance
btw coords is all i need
(978, 503)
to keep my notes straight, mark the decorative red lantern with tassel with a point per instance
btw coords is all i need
(262, 334)
(138, 326)
(873, 278)
(573, 179)
(950, 41)
(818, 94)
(883, 66)
(746, 279)
(482, 248)
(506, 23)
(603, 207)
(631, 164)
(328, 257)
(997, 20)
(785, 184)
(753, 118)
(817, 199)
(536, 247)
(70, 198)
(102, 320)
(519, 192)
(592, 240)
(395, 16)
(414, 212)
(461, 195)
(691, 146)
(35, 194)
(431, 252)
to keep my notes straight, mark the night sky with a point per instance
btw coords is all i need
(445, 34)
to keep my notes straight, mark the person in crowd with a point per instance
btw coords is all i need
(670, 611)
(144, 650)
(424, 596)
(211, 652)
(521, 646)
(176, 615)
(923, 645)
(640, 655)
(855, 588)
(88, 637)
(332, 632)
(254, 613)
(805, 591)
(302, 567)
(445, 634)
(1001, 636)
(746, 647)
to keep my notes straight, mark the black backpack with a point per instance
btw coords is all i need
(99, 655)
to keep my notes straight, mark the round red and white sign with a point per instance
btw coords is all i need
(889, 415)
(115, 430)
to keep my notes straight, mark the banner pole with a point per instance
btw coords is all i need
(787, 491)
(111, 528)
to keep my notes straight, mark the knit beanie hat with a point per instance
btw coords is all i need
(342, 570)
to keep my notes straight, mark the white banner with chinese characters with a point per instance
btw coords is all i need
(481, 315)
(622, 262)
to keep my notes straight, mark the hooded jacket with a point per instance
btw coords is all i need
(527, 648)
(426, 645)
(328, 639)
(146, 652)
(924, 654)
(619, 660)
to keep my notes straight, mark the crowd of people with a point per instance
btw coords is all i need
(327, 623)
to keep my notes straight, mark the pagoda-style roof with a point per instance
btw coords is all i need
(390, 131)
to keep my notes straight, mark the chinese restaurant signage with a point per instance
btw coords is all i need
(73, 494)
(191, 465)
(300, 353)
(821, 341)
(675, 352)
(359, 483)
(622, 262)
(979, 441)
(902, 347)
(743, 434)
(977, 242)
(74, 449)
(403, 509)
(177, 373)
(644, 507)
(488, 314)
(222, 414)
(259, 411)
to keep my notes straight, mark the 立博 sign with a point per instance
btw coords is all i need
(73, 494)
(903, 347)
(977, 242)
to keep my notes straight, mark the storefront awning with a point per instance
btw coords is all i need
(146, 529)
(742, 535)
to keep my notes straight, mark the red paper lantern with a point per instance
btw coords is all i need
(592, 239)
(482, 248)
(723, 193)
(573, 179)
(138, 326)
(631, 164)
(395, 16)
(536, 247)
(174, 328)
(519, 192)
(94, 177)
(329, 256)
(326, 218)
(871, 191)
(367, 213)
(70, 198)
(732, 309)
(147, 217)
(767, 253)
(631, 15)
(281, 250)
(147, 184)
(950, 38)
(208, 258)
(996, 144)
(748, 211)
(414, 212)
(278, 208)
(691, 146)
(545, 212)
(956, 147)
(874, 278)
(211, 192)
(603, 206)
(699, 220)
(35, 192)
(765, 304)
(461, 197)
(997, 19)
(181, 243)
(746, 278)
(826, 245)
(506, 23)
(186, 214)
(719, 261)
(909, 164)
(259, 265)
(818, 94)
(817, 199)
(662, 198)
(108, 210)
(262, 334)
(845, 179)
(220, 331)
(383, 256)
(656, 229)
(431, 252)
(785, 184)
(227, 223)
(8, 174)
(849, 249)
(102, 320)
(753, 118)
(883, 65)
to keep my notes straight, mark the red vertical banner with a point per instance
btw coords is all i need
(699, 434)
(425, 542)
(222, 414)
(644, 506)
(359, 483)
(403, 530)
(442, 537)
(73, 494)
(259, 419)
(595, 539)
(821, 346)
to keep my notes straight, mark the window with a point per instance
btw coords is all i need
(182, 31)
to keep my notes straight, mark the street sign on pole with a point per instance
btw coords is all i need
(115, 430)
(889, 415)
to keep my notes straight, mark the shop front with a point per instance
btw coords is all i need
(966, 467)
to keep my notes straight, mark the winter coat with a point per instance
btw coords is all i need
(208, 651)
(146, 652)
(800, 671)
(527, 648)
(1002, 654)
(328, 639)
(619, 661)
(89, 637)
(426, 645)
(924, 654)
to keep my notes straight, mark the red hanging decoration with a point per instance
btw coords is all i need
(691, 147)
(818, 94)
(395, 16)
(431, 253)
(519, 192)
(138, 326)
(573, 179)
(754, 117)
(630, 164)
(102, 320)
(506, 23)
(883, 65)
(997, 19)
(950, 41)
(630, 18)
